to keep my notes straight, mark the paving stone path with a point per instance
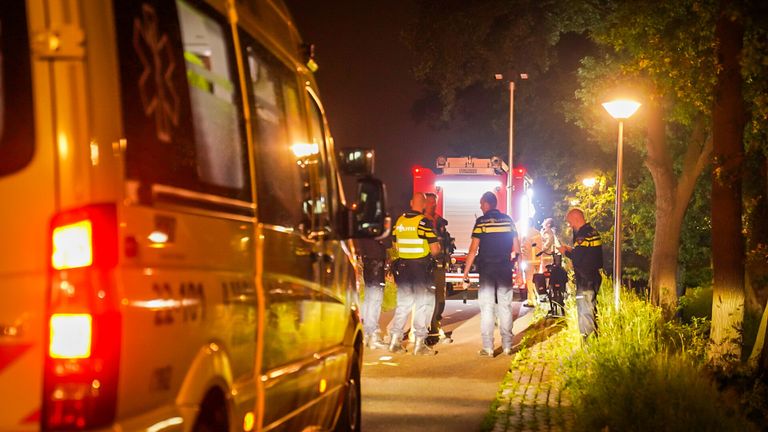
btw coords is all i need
(531, 399)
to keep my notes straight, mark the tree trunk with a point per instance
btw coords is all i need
(727, 238)
(672, 197)
(664, 261)
(764, 352)
(663, 272)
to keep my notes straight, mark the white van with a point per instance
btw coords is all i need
(176, 245)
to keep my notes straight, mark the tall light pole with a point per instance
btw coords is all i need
(511, 157)
(620, 110)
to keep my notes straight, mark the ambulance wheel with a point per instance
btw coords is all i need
(351, 412)
(213, 413)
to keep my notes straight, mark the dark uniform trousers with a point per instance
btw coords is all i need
(586, 303)
(439, 286)
(414, 286)
(494, 297)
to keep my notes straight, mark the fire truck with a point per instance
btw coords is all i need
(459, 182)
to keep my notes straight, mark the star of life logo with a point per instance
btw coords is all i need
(158, 97)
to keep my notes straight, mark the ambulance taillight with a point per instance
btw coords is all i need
(84, 322)
(70, 336)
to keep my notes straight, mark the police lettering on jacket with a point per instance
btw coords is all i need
(413, 234)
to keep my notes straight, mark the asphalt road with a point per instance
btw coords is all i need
(451, 391)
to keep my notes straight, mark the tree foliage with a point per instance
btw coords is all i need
(460, 45)
(638, 216)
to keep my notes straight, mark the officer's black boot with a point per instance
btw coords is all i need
(432, 339)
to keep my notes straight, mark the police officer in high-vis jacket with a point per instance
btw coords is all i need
(587, 258)
(415, 241)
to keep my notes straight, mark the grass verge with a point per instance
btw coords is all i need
(641, 373)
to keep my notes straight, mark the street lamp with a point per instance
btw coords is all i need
(589, 182)
(620, 110)
(510, 177)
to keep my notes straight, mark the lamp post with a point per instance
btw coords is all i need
(620, 110)
(510, 176)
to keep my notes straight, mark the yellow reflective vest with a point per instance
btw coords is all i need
(411, 237)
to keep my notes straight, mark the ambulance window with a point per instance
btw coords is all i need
(214, 99)
(181, 102)
(322, 186)
(277, 115)
(16, 114)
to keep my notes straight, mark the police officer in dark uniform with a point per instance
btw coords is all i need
(416, 243)
(586, 254)
(495, 236)
(373, 254)
(440, 226)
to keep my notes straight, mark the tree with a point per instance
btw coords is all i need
(727, 237)
(755, 192)
(663, 53)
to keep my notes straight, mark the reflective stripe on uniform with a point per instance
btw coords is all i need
(498, 229)
(429, 234)
(591, 241)
(492, 227)
(410, 241)
(410, 250)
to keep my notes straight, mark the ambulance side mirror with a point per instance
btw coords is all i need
(356, 161)
(368, 214)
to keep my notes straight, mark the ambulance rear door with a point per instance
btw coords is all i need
(27, 192)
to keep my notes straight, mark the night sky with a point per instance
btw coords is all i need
(369, 92)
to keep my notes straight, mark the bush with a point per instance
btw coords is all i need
(641, 373)
(696, 311)
(640, 394)
(696, 303)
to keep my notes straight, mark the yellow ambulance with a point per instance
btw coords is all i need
(176, 247)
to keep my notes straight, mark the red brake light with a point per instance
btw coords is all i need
(70, 336)
(84, 321)
(72, 245)
(84, 237)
